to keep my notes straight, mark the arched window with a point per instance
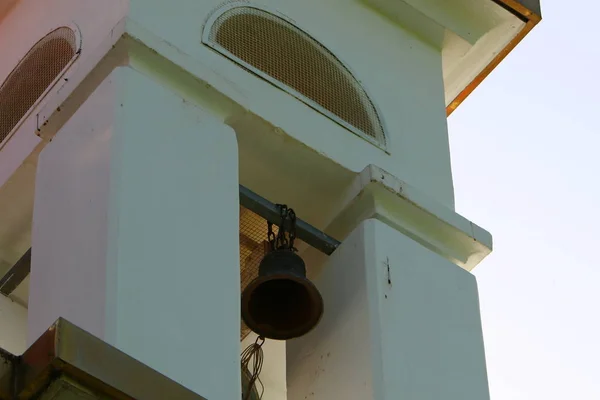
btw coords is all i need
(289, 58)
(33, 76)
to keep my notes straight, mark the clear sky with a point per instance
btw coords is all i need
(526, 163)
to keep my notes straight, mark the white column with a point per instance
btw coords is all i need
(135, 232)
(400, 322)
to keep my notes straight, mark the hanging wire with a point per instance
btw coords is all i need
(252, 361)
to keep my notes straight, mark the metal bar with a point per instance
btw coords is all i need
(305, 232)
(16, 275)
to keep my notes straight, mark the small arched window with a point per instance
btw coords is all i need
(33, 76)
(289, 58)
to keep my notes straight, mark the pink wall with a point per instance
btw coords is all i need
(5, 7)
(29, 21)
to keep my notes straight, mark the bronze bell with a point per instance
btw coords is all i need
(281, 303)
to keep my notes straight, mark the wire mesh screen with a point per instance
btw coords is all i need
(33, 75)
(293, 59)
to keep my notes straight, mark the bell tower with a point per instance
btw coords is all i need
(147, 148)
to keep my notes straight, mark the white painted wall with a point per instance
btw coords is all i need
(115, 225)
(402, 74)
(401, 71)
(13, 326)
(400, 322)
(27, 23)
(70, 232)
(135, 232)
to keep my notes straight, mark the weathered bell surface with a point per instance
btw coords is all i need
(281, 303)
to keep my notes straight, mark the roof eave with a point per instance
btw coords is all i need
(526, 10)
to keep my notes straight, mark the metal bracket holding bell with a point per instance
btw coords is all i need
(281, 303)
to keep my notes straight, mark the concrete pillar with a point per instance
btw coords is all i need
(401, 322)
(135, 232)
(401, 314)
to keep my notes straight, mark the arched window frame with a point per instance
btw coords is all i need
(383, 143)
(53, 85)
